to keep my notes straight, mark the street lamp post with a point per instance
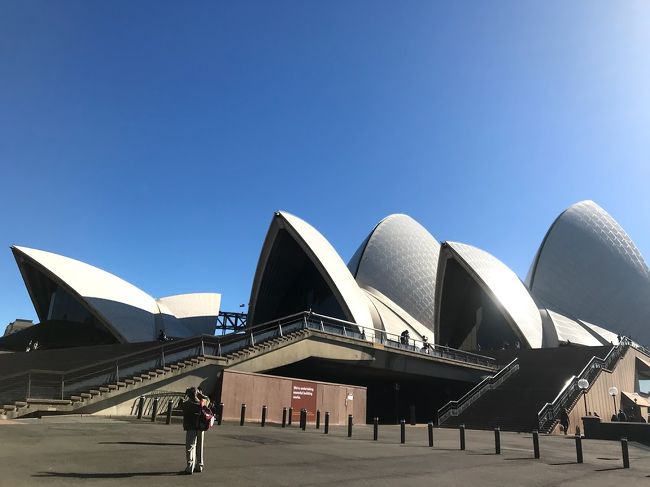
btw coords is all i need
(613, 391)
(583, 385)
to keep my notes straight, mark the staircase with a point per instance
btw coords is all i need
(514, 405)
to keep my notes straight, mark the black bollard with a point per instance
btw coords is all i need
(327, 422)
(154, 410)
(140, 407)
(536, 443)
(349, 426)
(303, 419)
(220, 413)
(318, 419)
(578, 449)
(430, 427)
(626, 454)
(497, 441)
(375, 429)
(290, 418)
(402, 431)
(263, 416)
(242, 417)
(170, 404)
(462, 436)
(284, 417)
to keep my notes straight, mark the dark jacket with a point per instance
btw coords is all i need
(191, 411)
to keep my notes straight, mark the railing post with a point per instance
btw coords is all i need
(202, 348)
(536, 443)
(154, 410)
(349, 426)
(170, 404)
(252, 339)
(318, 419)
(497, 441)
(219, 349)
(280, 328)
(578, 449)
(430, 428)
(242, 417)
(327, 422)
(322, 325)
(402, 431)
(626, 455)
(290, 418)
(462, 436)
(284, 417)
(140, 407)
(117, 371)
(345, 333)
(375, 428)
(220, 418)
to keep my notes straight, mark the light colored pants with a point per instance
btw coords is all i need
(194, 449)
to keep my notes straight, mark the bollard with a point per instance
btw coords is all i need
(430, 427)
(154, 410)
(402, 431)
(290, 416)
(303, 419)
(327, 422)
(242, 417)
(626, 454)
(497, 441)
(170, 404)
(375, 429)
(349, 426)
(318, 419)
(536, 443)
(220, 412)
(578, 449)
(284, 417)
(263, 416)
(140, 407)
(462, 436)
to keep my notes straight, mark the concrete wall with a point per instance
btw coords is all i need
(257, 390)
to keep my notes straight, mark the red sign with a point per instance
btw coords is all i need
(303, 395)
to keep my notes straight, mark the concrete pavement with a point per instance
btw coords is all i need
(70, 450)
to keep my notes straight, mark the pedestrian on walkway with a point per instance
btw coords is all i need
(564, 420)
(193, 435)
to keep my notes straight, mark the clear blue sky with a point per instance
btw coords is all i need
(155, 139)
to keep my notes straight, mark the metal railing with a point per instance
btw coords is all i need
(53, 384)
(570, 393)
(455, 408)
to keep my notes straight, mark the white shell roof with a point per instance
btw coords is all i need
(607, 337)
(588, 267)
(569, 330)
(400, 259)
(193, 304)
(329, 260)
(113, 299)
(506, 288)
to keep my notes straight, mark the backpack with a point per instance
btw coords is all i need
(206, 418)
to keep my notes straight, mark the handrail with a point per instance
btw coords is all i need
(455, 408)
(550, 412)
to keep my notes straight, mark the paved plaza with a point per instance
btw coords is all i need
(59, 451)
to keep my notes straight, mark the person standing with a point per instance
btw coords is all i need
(193, 435)
(564, 420)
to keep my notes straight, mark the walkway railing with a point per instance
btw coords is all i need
(455, 408)
(53, 384)
(570, 393)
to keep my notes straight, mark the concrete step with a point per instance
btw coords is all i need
(136, 378)
(167, 369)
(121, 384)
(86, 395)
(129, 381)
(152, 374)
(20, 404)
(76, 398)
(9, 407)
(95, 392)
(145, 376)
(112, 387)
(52, 402)
(160, 371)
(174, 367)
(104, 389)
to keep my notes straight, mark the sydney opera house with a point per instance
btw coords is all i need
(587, 284)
